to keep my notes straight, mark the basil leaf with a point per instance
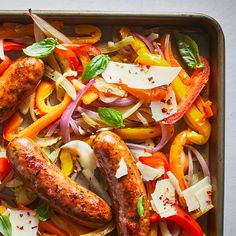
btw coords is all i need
(5, 226)
(140, 208)
(95, 67)
(44, 211)
(111, 117)
(42, 48)
(189, 51)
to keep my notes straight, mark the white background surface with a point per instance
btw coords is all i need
(224, 12)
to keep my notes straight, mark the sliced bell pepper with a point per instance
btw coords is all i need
(5, 167)
(12, 46)
(183, 219)
(93, 32)
(12, 127)
(156, 160)
(66, 162)
(139, 132)
(90, 96)
(204, 107)
(33, 129)
(200, 77)
(5, 64)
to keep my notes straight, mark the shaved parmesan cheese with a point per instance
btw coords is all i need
(175, 183)
(122, 170)
(164, 108)
(23, 222)
(163, 198)
(204, 197)
(84, 151)
(149, 173)
(190, 193)
(139, 76)
(136, 153)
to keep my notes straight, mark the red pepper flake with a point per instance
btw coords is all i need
(20, 227)
(21, 215)
(120, 80)
(163, 100)
(150, 78)
(110, 77)
(164, 110)
(169, 102)
(28, 213)
(209, 193)
(30, 221)
(34, 227)
(129, 71)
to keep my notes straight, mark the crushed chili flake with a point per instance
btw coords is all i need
(28, 213)
(34, 227)
(30, 221)
(21, 215)
(163, 100)
(20, 227)
(164, 110)
(150, 78)
(169, 102)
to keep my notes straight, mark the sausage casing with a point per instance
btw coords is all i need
(60, 192)
(109, 148)
(18, 82)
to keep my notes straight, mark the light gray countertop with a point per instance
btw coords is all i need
(224, 12)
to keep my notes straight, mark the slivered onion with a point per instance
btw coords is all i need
(132, 110)
(152, 37)
(142, 118)
(2, 55)
(190, 168)
(74, 126)
(166, 46)
(65, 119)
(52, 128)
(201, 160)
(107, 99)
(31, 108)
(108, 48)
(38, 33)
(47, 29)
(147, 42)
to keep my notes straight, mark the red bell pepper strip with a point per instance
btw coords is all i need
(183, 219)
(156, 160)
(12, 127)
(5, 64)
(200, 77)
(12, 46)
(5, 167)
(83, 48)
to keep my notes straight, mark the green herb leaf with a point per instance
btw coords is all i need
(111, 117)
(42, 48)
(95, 67)
(140, 208)
(5, 226)
(44, 211)
(189, 51)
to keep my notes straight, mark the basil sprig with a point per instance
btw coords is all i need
(189, 51)
(95, 67)
(111, 117)
(5, 226)
(44, 211)
(42, 48)
(140, 208)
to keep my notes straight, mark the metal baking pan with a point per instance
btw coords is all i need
(211, 39)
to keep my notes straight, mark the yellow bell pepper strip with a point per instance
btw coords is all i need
(193, 115)
(13, 30)
(33, 129)
(139, 132)
(93, 32)
(5, 64)
(90, 96)
(200, 77)
(12, 127)
(66, 162)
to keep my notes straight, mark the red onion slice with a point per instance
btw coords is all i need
(166, 46)
(201, 160)
(92, 114)
(107, 99)
(190, 168)
(52, 128)
(74, 126)
(159, 51)
(146, 41)
(65, 119)
(123, 102)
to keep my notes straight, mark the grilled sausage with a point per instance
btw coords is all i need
(18, 82)
(109, 148)
(60, 192)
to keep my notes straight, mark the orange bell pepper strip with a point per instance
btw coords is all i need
(43, 91)
(175, 160)
(12, 127)
(204, 107)
(5, 64)
(90, 96)
(12, 46)
(33, 129)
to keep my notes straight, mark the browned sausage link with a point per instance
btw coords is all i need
(18, 82)
(60, 192)
(125, 192)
